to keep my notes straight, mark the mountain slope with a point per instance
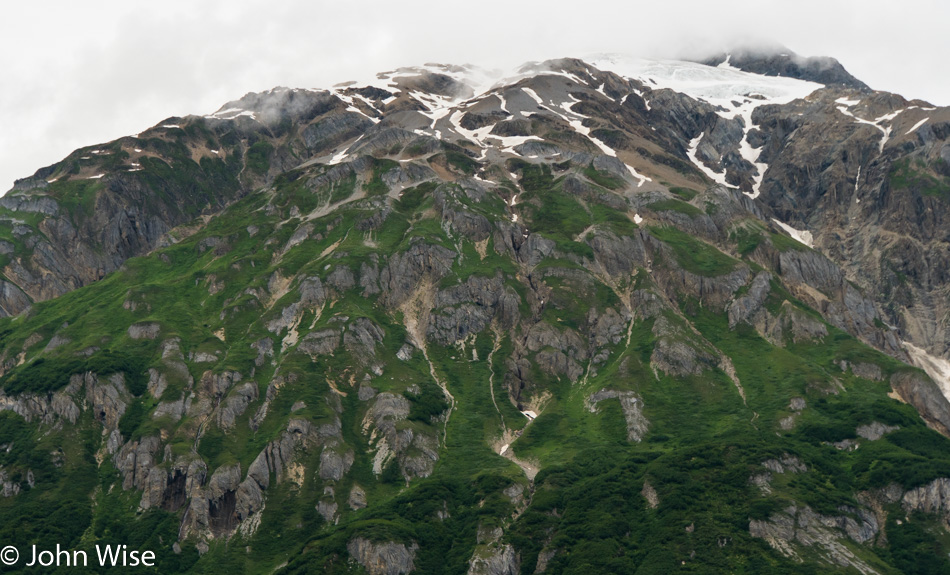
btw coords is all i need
(557, 325)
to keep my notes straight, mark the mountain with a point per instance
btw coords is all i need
(780, 61)
(612, 315)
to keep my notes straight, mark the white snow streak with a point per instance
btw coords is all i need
(803, 237)
(340, 156)
(886, 131)
(575, 120)
(503, 104)
(533, 94)
(714, 176)
(857, 182)
(724, 86)
(844, 100)
(937, 368)
(917, 125)
(456, 119)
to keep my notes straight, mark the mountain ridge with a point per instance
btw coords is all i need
(574, 276)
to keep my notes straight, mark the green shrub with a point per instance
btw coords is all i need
(685, 193)
(429, 403)
(258, 157)
(675, 206)
(693, 255)
(603, 179)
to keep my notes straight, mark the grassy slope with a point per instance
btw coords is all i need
(703, 445)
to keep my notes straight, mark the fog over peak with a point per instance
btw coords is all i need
(78, 74)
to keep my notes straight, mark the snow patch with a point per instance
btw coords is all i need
(917, 125)
(846, 102)
(503, 105)
(714, 176)
(456, 119)
(803, 237)
(337, 158)
(96, 177)
(637, 219)
(509, 142)
(937, 368)
(857, 182)
(171, 126)
(533, 94)
(530, 414)
(726, 64)
(738, 93)
(577, 123)
(885, 131)
(351, 107)
(715, 85)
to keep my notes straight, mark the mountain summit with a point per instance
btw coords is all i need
(780, 61)
(615, 315)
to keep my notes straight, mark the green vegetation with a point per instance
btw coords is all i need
(76, 197)
(685, 193)
(693, 255)
(375, 186)
(343, 372)
(784, 243)
(412, 198)
(747, 238)
(461, 162)
(915, 177)
(675, 206)
(603, 179)
(258, 157)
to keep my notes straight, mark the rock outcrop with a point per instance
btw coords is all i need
(387, 558)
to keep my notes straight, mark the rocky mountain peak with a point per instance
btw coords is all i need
(780, 61)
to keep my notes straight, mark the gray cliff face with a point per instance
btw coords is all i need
(823, 534)
(632, 406)
(498, 560)
(388, 558)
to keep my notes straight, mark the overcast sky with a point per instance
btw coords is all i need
(81, 73)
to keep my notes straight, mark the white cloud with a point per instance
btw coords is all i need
(82, 73)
